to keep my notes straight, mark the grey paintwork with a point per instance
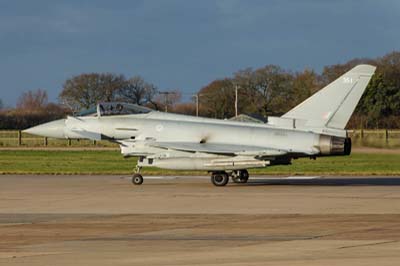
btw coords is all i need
(313, 128)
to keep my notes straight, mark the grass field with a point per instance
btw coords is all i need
(111, 162)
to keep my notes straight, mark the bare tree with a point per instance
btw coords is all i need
(266, 90)
(166, 99)
(33, 101)
(249, 98)
(217, 99)
(86, 90)
(137, 91)
(185, 108)
(332, 72)
(305, 84)
(389, 66)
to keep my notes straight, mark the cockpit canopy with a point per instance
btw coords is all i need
(115, 108)
(118, 108)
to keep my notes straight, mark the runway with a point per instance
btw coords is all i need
(105, 220)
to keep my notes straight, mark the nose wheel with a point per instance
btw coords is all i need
(137, 179)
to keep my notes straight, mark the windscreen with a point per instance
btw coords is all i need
(88, 112)
(107, 109)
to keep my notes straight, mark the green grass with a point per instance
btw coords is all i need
(111, 162)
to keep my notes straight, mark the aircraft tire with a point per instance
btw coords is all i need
(239, 181)
(137, 179)
(242, 177)
(219, 179)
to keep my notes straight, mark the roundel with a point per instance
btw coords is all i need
(159, 128)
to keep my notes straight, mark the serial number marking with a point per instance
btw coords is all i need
(347, 80)
(280, 133)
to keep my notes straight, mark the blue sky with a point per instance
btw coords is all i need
(183, 44)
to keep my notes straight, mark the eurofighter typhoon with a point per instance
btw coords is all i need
(225, 148)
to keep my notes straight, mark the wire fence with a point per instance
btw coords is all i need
(15, 138)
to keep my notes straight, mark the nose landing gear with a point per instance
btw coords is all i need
(137, 178)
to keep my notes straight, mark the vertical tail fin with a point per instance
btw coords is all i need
(333, 105)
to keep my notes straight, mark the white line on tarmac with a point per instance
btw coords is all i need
(254, 178)
(161, 177)
(303, 177)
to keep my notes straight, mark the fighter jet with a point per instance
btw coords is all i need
(224, 148)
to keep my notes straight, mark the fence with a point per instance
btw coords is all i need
(381, 138)
(12, 138)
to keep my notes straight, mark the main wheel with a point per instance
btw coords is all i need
(219, 179)
(244, 176)
(241, 176)
(137, 179)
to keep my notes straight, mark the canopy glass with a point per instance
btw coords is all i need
(114, 108)
(118, 108)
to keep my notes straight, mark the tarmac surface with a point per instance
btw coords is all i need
(105, 220)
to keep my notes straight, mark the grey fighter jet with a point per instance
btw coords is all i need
(224, 148)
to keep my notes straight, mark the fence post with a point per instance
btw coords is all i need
(19, 138)
(45, 141)
(387, 135)
(94, 142)
(362, 128)
(69, 142)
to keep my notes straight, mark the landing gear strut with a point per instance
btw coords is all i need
(137, 178)
(240, 176)
(219, 179)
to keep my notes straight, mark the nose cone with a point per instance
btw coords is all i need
(54, 129)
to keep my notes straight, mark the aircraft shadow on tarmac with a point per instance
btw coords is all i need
(330, 181)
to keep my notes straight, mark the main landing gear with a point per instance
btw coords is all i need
(221, 178)
(240, 176)
(137, 178)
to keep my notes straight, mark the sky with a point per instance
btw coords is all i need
(183, 44)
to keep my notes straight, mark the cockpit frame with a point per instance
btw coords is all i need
(120, 108)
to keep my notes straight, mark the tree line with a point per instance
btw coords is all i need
(32, 108)
(272, 90)
(267, 91)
